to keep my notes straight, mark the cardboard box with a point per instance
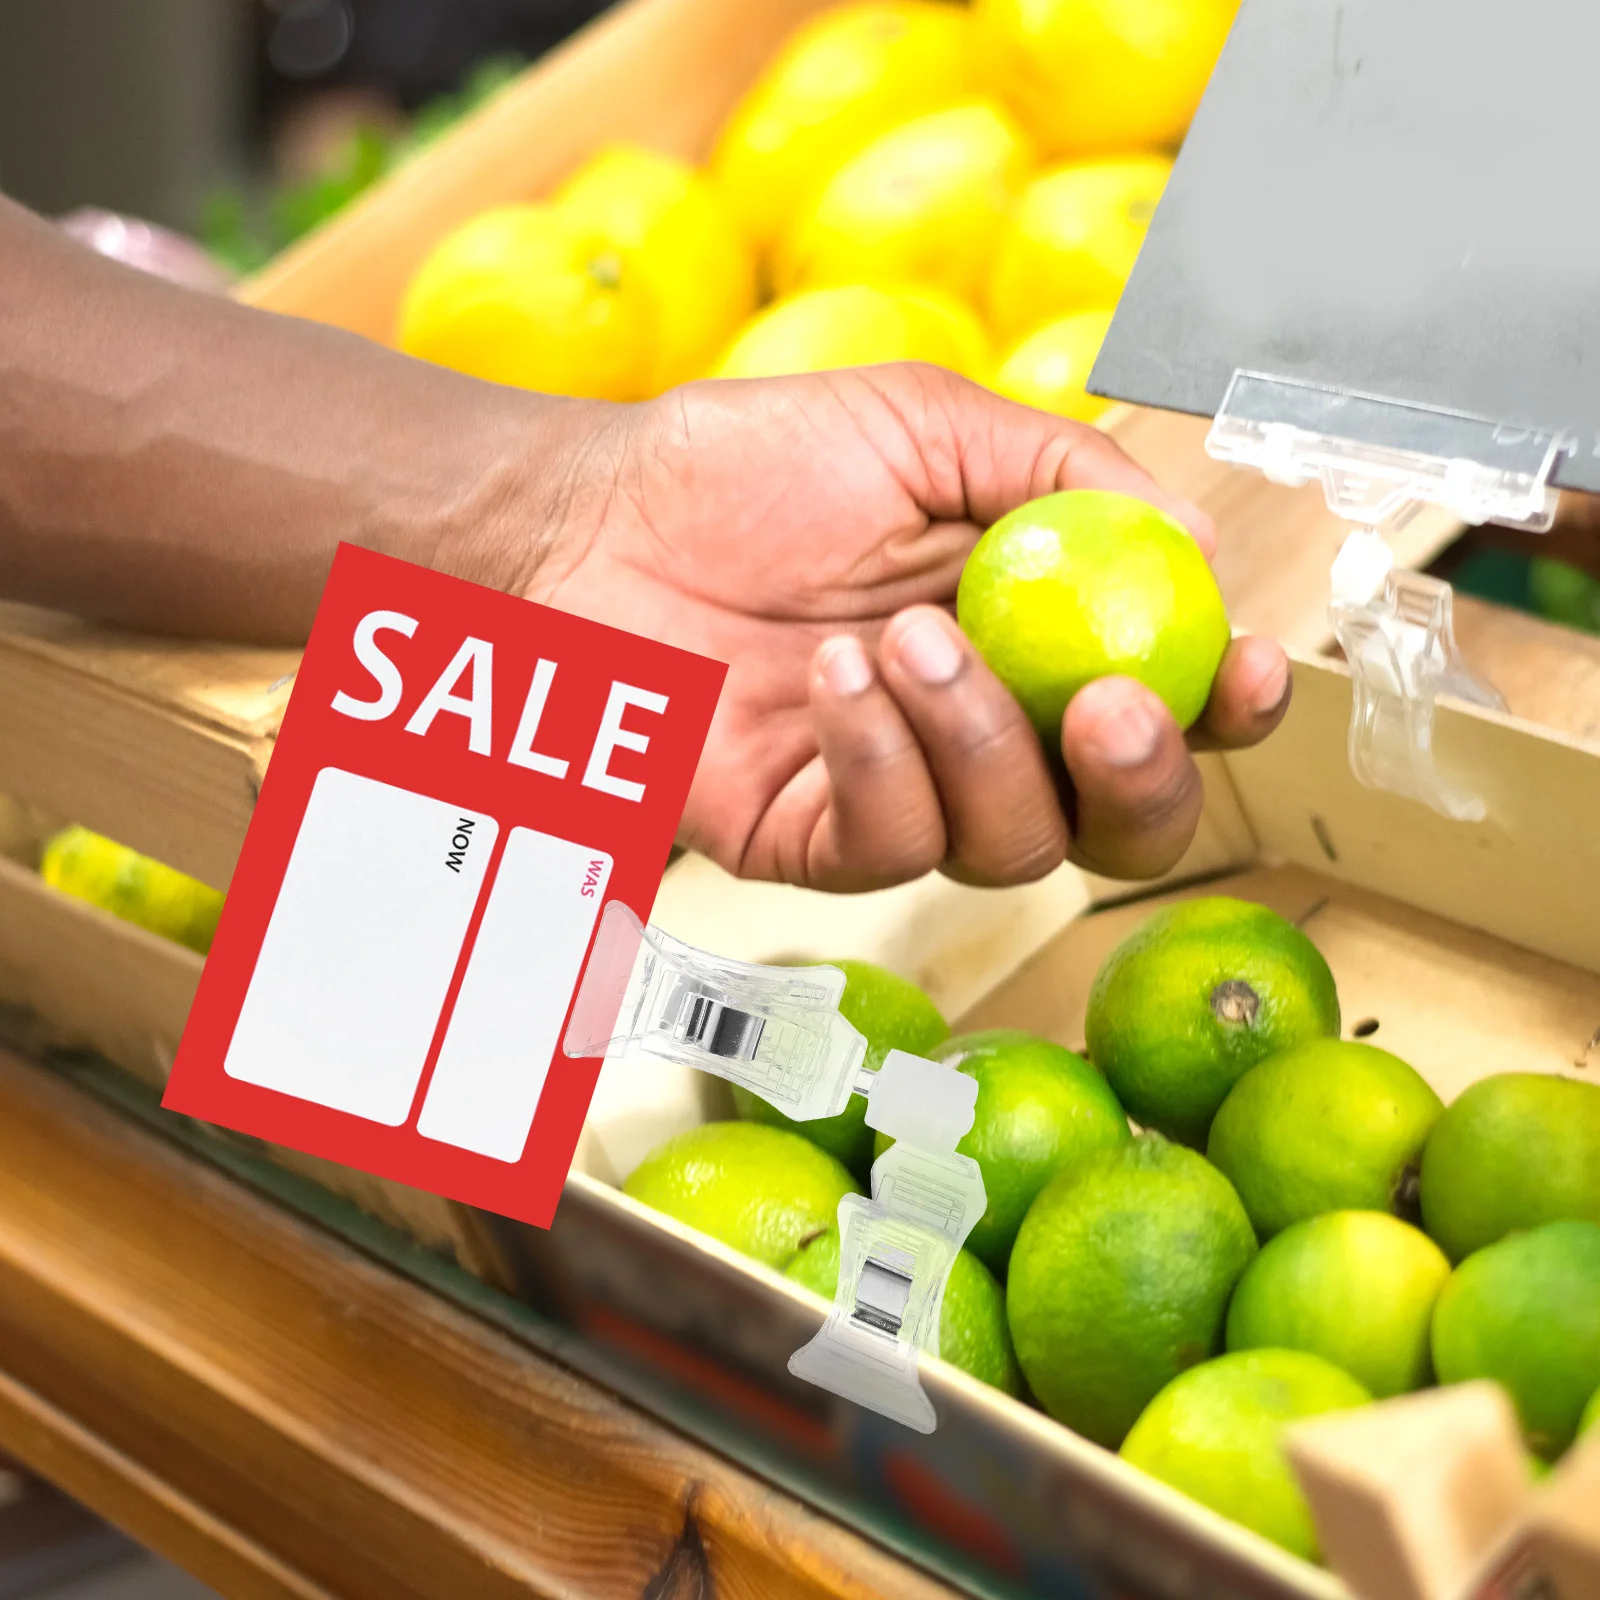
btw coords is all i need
(1467, 949)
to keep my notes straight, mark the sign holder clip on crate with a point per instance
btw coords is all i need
(1379, 461)
(777, 1032)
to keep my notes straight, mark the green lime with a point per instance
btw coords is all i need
(1040, 1108)
(1216, 1433)
(1088, 584)
(1591, 1413)
(1327, 1126)
(1513, 1151)
(1193, 998)
(132, 886)
(972, 1321)
(1120, 1280)
(757, 1189)
(1526, 1312)
(893, 1015)
(1354, 1287)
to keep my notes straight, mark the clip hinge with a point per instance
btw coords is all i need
(775, 1031)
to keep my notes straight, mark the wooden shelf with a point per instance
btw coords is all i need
(289, 1420)
(158, 743)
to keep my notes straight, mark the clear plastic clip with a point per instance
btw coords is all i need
(1378, 462)
(773, 1030)
(777, 1031)
(1396, 631)
(896, 1249)
(1375, 458)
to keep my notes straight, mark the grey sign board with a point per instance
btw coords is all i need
(1395, 198)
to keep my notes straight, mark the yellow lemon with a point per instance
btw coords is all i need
(856, 325)
(524, 295)
(1072, 240)
(849, 74)
(680, 239)
(1094, 77)
(956, 335)
(1049, 368)
(922, 203)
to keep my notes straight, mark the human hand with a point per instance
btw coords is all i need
(810, 532)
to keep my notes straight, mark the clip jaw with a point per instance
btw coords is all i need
(1378, 461)
(777, 1032)
(773, 1030)
(1397, 634)
(896, 1249)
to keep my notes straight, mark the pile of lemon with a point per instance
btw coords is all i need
(908, 180)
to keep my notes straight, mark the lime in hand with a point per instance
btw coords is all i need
(1120, 1279)
(972, 1321)
(1216, 1433)
(1040, 1110)
(893, 1015)
(1089, 584)
(1196, 996)
(1327, 1126)
(1354, 1287)
(759, 1190)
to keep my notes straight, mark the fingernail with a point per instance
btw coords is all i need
(1271, 690)
(846, 667)
(1128, 738)
(928, 653)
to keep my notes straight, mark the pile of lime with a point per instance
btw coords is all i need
(1291, 1223)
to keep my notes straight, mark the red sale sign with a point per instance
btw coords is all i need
(461, 782)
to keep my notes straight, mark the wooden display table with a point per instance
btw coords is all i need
(265, 1406)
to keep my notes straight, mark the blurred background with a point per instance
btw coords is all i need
(243, 122)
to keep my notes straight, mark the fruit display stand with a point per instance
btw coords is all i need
(414, 1433)
(249, 1335)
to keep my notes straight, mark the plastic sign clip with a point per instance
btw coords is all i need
(896, 1249)
(777, 1032)
(1378, 461)
(1397, 634)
